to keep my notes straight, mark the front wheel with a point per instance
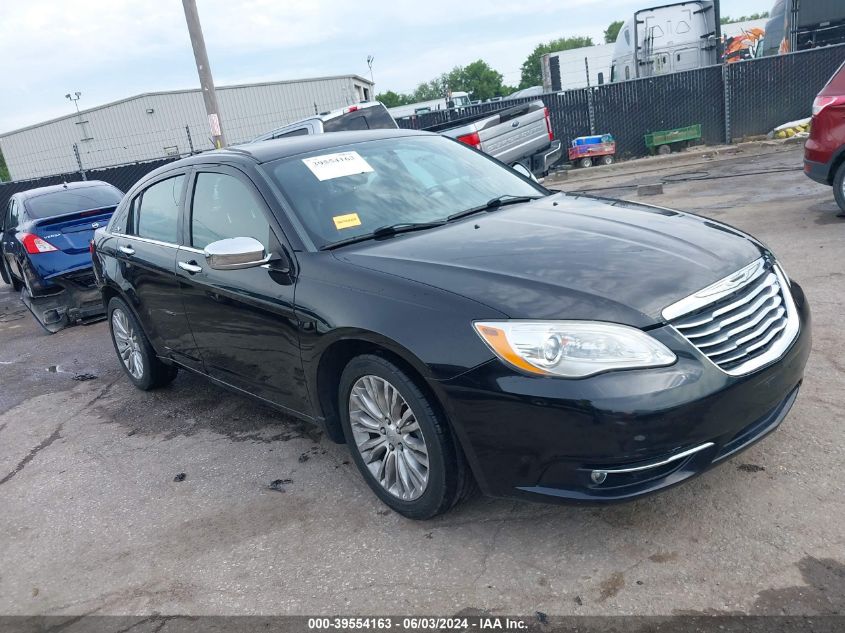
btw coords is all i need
(136, 355)
(586, 162)
(839, 187)
(607, 159)
(399, 441)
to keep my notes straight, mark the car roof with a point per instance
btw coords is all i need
(68, 186)
(274, 149)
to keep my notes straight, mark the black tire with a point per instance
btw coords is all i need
(607, 159)
(839, 187)
(586, 162)
(8, 277)
(449, 477)
(664, 150)
(153, 373)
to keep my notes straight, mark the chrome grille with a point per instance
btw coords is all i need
(741, 322)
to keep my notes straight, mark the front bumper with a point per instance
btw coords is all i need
(544, 438)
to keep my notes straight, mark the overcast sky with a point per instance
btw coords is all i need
(110, 49)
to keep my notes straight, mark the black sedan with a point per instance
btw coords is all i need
(452, 321)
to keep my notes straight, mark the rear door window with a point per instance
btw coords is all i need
(224, 206)
(370, 118)
(73, 200)
(303, 131)
(836, 85)
(155, 213)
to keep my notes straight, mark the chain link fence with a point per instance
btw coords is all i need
(121, 176)
(770, 91)
(730, 102)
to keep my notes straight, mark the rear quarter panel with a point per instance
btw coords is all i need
(518, 138)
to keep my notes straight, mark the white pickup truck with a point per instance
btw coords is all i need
(521, 135)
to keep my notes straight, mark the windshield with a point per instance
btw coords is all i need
(72, 201)
(352, 190)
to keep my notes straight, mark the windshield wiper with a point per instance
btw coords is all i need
(493, 203)
(385, 231)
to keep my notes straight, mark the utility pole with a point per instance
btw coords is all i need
(79, 161)
(370, 59)
(190, 140)
(204, 70)
(717, 34)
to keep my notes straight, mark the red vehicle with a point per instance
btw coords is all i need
(824, 152)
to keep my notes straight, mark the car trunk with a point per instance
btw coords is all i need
(72, 232)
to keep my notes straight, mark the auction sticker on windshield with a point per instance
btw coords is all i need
(337, 165)
(346, 221)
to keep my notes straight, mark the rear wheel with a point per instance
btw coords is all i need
(136, 355)
(839, 187)
(400, 443)
(664, 149)
(607, 159)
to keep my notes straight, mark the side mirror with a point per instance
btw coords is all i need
(524, 171)
(234, 253)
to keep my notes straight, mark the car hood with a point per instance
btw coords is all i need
(564, 257)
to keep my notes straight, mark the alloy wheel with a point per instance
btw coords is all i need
(388, 437)
(128, 345)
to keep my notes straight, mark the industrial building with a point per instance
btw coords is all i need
(159, 124)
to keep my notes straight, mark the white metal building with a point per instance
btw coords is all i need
(158, 124)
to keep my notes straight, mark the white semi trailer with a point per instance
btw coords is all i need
(667, 39)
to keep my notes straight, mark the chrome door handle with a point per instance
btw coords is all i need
(189, 267)
(126, 250)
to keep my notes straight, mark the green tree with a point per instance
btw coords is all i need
(754, 16)
(4, 170)
(428, 90)
(612, 31)
(531, 75)
(478, 79)
(392, 99)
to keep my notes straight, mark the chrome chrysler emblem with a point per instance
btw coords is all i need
(739, 278)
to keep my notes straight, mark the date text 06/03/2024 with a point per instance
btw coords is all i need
(418, 623)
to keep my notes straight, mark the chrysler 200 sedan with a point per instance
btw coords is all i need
(452, 321)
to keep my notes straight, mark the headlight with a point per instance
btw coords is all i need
(572, 349)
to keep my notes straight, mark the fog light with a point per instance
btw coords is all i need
(598, 476)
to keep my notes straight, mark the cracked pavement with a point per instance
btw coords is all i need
(92, 520)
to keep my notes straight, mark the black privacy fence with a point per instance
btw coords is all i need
(121, 176)
(728, 102)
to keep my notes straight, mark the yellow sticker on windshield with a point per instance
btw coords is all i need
(346, 221)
